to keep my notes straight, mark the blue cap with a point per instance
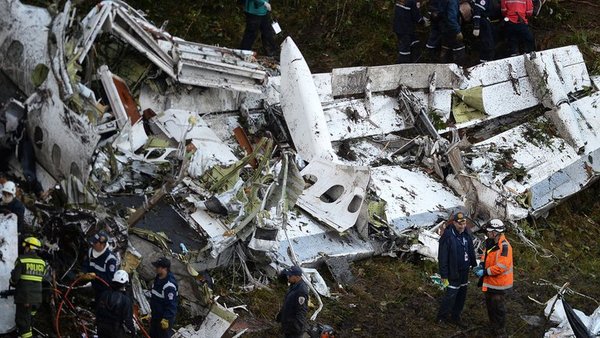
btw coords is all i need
(293, 271)
(101, 237)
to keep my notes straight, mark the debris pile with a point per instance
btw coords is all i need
(215, 158)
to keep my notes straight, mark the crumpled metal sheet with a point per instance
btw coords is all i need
(8, 256)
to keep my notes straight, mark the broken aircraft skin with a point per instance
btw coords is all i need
(334, 167)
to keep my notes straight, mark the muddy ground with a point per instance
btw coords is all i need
(394, 297)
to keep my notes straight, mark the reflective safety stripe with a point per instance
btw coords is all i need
(509, 271)
(403, 7)
(476, 16)
(97, 267)
(459, 48)
(31, 278)
(465, 284)
(404, 53)
(478, 5)
(27, 334)
(453, 287)
(157, 294)
(497, 287)
(502, 266)
(32, 260)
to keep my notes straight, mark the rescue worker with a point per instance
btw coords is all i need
(163, 302)
(453, 48)
(434, 41)
(114, 311)
(456, 256)
(406, 16)
(100, 262)
(516, 14)
(496, 275)
(292, 315)
(258, 18)
(26, 278)
(483, 11)
(10, 204)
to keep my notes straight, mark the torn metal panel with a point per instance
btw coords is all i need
(337, 193)
(8, 255)
(216, 324)
(349, 119)
(352, 81)
(208, 66)
(131, 138)
(414, 199)
(537, 174)
(314, 242)
(64, 140)
(122, 103)
(24, 44)
(301, 106)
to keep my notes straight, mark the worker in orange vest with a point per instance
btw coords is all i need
(496, 275)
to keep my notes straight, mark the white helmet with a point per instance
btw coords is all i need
(121, 276)
(495, 225)
(10, 188)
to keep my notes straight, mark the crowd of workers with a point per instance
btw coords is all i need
(491, 20)
(446, 18)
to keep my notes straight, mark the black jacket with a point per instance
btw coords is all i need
(292, 315)
(451, 253)
(406, 15)
(114, 307)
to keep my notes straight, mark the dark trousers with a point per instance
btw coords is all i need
(254, 23)
(487, 44)
(156, 330)
(519, 34)
(496, 312)
(434, 41)
(110, 330)
(24, 319)
(405, 43)
(452, 49)
(453, 301)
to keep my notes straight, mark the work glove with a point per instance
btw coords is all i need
(445, 282)
(268, 6)
(426, 22)
(88, 276)
(478, 272)
(476, 33)
(459, 36)
(164, 324)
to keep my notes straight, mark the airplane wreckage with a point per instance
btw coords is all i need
(225, 160)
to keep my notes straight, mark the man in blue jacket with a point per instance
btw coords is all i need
(258, 18)
(292, 315)
(406, 16)
(453, 48)
(483, 13)
(101, 262)
(163, 302)
(456, 256)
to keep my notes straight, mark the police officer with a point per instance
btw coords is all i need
(292, 315)
(114, 311)
(456, 256)
(483, 12)
(10, 204)
(27, 277)
(516, 15)
(406, 16)
(496, 275)
(434, 41)
(453, 48)
(258, 18)
(101, 262)
(163, 302)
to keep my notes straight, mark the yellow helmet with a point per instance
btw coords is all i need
(33, 243)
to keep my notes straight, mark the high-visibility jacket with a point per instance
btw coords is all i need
(517, 11)
(27, 277)
(498, 264)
